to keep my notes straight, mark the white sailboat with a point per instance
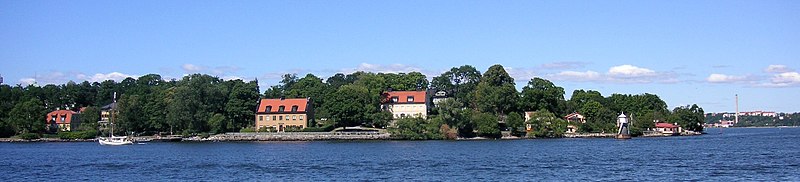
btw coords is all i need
(111, 139)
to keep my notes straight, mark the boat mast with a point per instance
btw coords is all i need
(111, 114)
(736, 121)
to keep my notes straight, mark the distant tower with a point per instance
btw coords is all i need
(622, 123)
(736, 121)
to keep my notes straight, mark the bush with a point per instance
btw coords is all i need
(88, 134)
(28, 136)
(325, 128)
(247, 130)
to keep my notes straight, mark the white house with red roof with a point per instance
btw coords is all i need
(405, 104)
(282, 114)
(668, 128)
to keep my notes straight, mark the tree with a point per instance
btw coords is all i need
(545, 124)
(217, 123)
(496, 92)
(242, 101)
(516, 124)
(460, 82)
(598, 118)
(581, 97)
(486, 125)
(689, 117)
(131, 117)
(28, 116)
(89, 118)
(350, 105)
(542, 94)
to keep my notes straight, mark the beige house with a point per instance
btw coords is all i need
(282, 114)
(63, 120)
(405, 104)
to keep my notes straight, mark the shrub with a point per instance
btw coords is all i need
(28, 136)
(87, 134)
(247, 130)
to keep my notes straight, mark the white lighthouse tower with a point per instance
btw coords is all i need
(622, 125)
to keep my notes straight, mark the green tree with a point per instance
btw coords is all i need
(542, 94)
(486, 125)
(598, 118)
(546, 124)
(496, 92)
(516, 124)
(460, 82)
(89, 118)
(217, 123)
(28, 116)
(689, 117)
(350, 105)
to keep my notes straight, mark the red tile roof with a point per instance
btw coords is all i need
(665, 125)
(274, 105)
(402, 97)
(67, 114)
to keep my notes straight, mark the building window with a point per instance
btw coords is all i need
(261, 118)
(280, 118)
(288, 117)
(269, 109)
(294, 108)
(395, 99)
(410, 99)
(301, 117)
(280, 108)
(273, 118)
(294, 117)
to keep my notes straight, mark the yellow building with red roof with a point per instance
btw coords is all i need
(282, 114)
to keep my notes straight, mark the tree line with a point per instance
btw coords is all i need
(206, 104)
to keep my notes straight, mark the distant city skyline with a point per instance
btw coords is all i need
(686, 52)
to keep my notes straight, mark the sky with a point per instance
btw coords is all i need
(685, 51)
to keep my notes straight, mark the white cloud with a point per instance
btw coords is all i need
(223, 70)
(99, 77)
(192, 68)
(629, 71)
(777, 69)
(577, 76)
(722, 78)
(27, 81)
(519, 74)
(785, 80)
(563, 65)
(618, 74)
(377, 68)
(233, 78)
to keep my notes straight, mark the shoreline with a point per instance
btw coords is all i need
(303, 136)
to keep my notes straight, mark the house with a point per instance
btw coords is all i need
(63, 120)
(439, 97)
(668, 128)
(575, 117)
(282, 114)
(405, 104)
(105, 113)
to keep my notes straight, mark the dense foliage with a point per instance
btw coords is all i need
(480, 104)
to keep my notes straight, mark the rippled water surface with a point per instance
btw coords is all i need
(742, 154)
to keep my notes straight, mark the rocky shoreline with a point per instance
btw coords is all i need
(296, 136)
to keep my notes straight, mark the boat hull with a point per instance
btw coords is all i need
(104, 141)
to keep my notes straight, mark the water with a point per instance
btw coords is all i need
(739, 154)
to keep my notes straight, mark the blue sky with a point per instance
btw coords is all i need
(687, 52)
